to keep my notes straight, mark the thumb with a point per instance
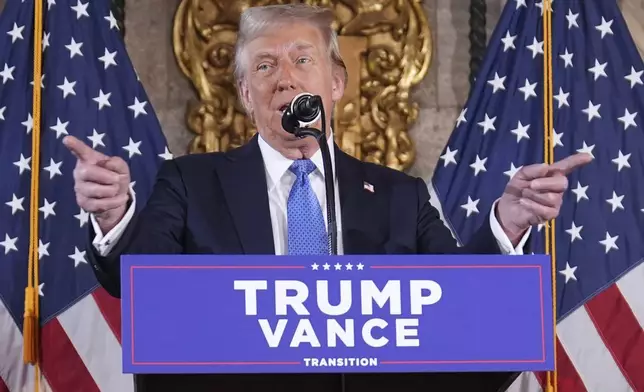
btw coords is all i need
(82, 151)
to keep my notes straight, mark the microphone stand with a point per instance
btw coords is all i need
(320, 136)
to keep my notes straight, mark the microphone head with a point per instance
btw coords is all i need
(303, 111)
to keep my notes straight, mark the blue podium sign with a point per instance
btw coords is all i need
(336, 314)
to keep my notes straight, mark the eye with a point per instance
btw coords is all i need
(263, 67)
(303, 60)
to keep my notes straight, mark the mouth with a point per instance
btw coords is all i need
(283, 108)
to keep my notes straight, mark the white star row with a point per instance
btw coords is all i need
(9, 244)
(16, 204)
(337, 266)
(604, 28)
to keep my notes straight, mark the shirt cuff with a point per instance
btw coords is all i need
(502, 239)
(105, 243)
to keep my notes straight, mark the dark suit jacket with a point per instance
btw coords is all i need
(218, 203)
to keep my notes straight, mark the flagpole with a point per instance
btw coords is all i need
(32, 305)
(548, 127)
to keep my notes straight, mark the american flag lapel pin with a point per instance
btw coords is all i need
(368, 187)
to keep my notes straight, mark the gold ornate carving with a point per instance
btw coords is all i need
(386, 45)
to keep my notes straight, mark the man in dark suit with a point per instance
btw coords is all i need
(267, 197)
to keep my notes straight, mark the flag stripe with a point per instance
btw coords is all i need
(95, 336)
(3, 386)
(14, 374)
(526, 382)
(631, 286)
(621, 333)
(61, 363)
(588, 353)
(568, 379)
(110, 308)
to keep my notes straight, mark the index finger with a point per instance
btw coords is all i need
(568, 164)
(82, 151)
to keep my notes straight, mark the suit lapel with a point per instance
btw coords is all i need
(243, 181)
(364, 212)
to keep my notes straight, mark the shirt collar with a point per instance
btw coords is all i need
(277, 164)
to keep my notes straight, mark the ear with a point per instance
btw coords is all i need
(337, 85)
(244, 94)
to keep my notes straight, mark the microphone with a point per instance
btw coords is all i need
(304, 110)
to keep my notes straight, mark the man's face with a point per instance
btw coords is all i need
(280, 64)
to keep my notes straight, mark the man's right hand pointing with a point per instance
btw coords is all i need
(101, 183)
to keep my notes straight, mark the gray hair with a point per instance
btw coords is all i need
(255, 20)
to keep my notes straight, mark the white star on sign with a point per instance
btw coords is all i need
(16, 33)
(471, 206)
(488, 124)
(615, 202)
(102, 99)
(9, 244)
(609, 242)
(569, 272)
(575, 232)
(338, 266)
(314, 266)
(634, 77)
(622, 161)
(53, 168)
(15, 204)
(599, 69)
(604, 27)
(628, 119)
(508, 41)
(48, 209)
(96, 139)
(108, 58)
(80, 9)
(138, 107)
(60, 128)
(521, 131)
(133, 148)
(497, 83)
(349, 266)
(360, 266)
(23, 163)
(562, 98)
(449, 157)
(479, 165)
(74, 48)
(528, 89)
(592, 110)
(580, 191)
(67, 87)
(567, 58)
(326, 266)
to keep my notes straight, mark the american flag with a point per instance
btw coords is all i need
(91, 91)
(599, 109)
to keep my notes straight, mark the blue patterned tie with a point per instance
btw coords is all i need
(306, 230)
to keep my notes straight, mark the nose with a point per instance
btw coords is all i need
(285, 79)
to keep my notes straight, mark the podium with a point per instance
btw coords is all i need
(335, 323)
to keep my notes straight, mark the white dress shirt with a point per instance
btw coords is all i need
(279, 180)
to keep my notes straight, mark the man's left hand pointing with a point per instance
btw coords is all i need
(535, 194)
